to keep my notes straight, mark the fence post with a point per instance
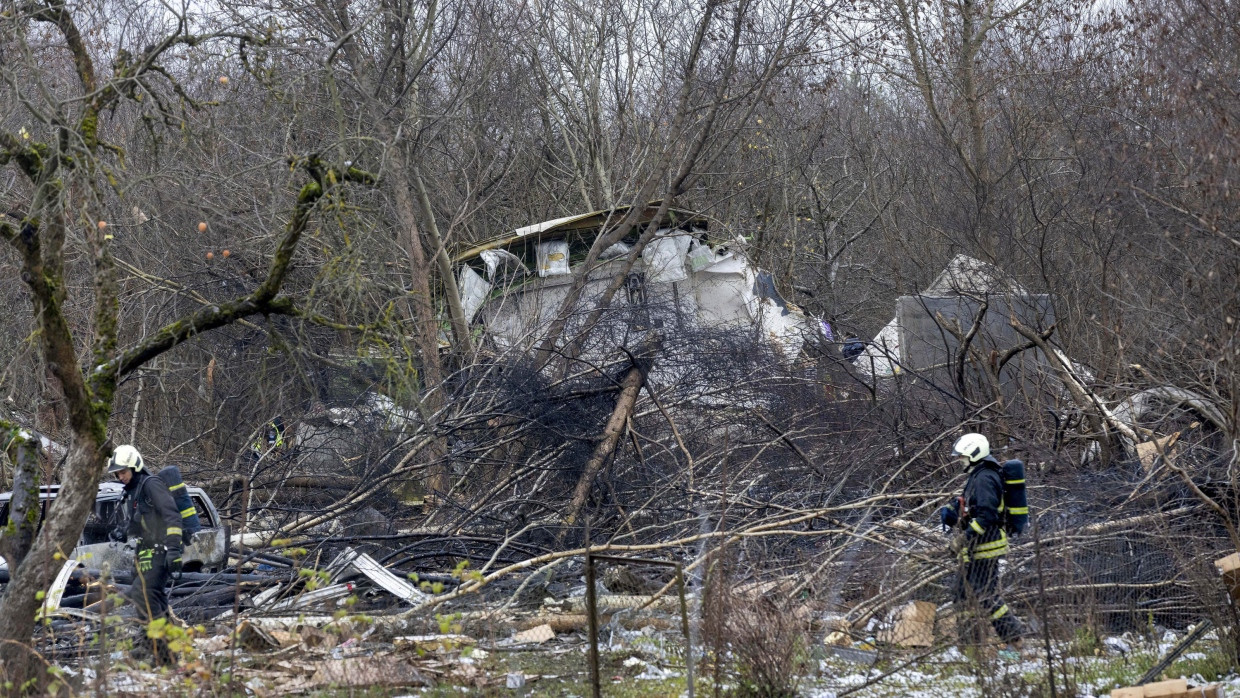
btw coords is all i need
(592, 622)
(684, 626)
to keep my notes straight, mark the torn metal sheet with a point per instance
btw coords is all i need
(595, 220)
(616, 251)
(51, 602)
(881, 354)
(110, 556)
(260, 599)
(384, 577)
(78, 613)
(341, 564)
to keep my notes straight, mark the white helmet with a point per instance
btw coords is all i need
(126, 457)
(972, 446)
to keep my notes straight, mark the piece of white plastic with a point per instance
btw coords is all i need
(474, 290)
(664, 257)
(502, 261)
(553, 258)
(728, 264)
(700, 256)
(783, 331)
(620, 249)
(876, 360)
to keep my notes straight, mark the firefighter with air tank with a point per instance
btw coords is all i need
(993, 505)
(155, 521)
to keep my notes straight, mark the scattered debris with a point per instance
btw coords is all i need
(1192, 637)
(1229, 568)
(913, 626)
(255, 639)
(1148, 451)
(837, 638)
(559, 622)
(435, 643)
(683, 276)
(51, 601)
(380, 575)
(312, 598)
(211, 645)
(1117, 645)
(1176, 688)
(617, 602)
(535, 635)
(367, 671)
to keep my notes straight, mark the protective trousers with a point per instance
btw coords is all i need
(147, 593)
(977, 596)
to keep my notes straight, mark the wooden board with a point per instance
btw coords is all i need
(914, 626)
(1165, 689)
(1177, 688)
(1229, 568)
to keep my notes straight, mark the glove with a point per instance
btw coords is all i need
(117, 535)
(174, 562)
(948, 517)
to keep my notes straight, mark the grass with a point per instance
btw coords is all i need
(1205, 660)
(562, 673)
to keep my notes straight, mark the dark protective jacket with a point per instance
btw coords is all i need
(984, 518)
(853, 348)
(153, 516)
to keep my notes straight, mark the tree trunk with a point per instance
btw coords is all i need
(452, 294)
(630, 386)
(23, 452)
(427, 333)
(59, 534)
(971, 38)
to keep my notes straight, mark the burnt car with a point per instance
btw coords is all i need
(206, 552)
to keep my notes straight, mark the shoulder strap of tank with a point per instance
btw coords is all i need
(145, 484)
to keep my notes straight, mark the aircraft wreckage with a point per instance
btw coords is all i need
(515, 285)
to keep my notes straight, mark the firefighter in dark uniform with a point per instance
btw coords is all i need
(155, 521)
(980, 516)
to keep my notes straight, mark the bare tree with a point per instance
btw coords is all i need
(69, 169)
